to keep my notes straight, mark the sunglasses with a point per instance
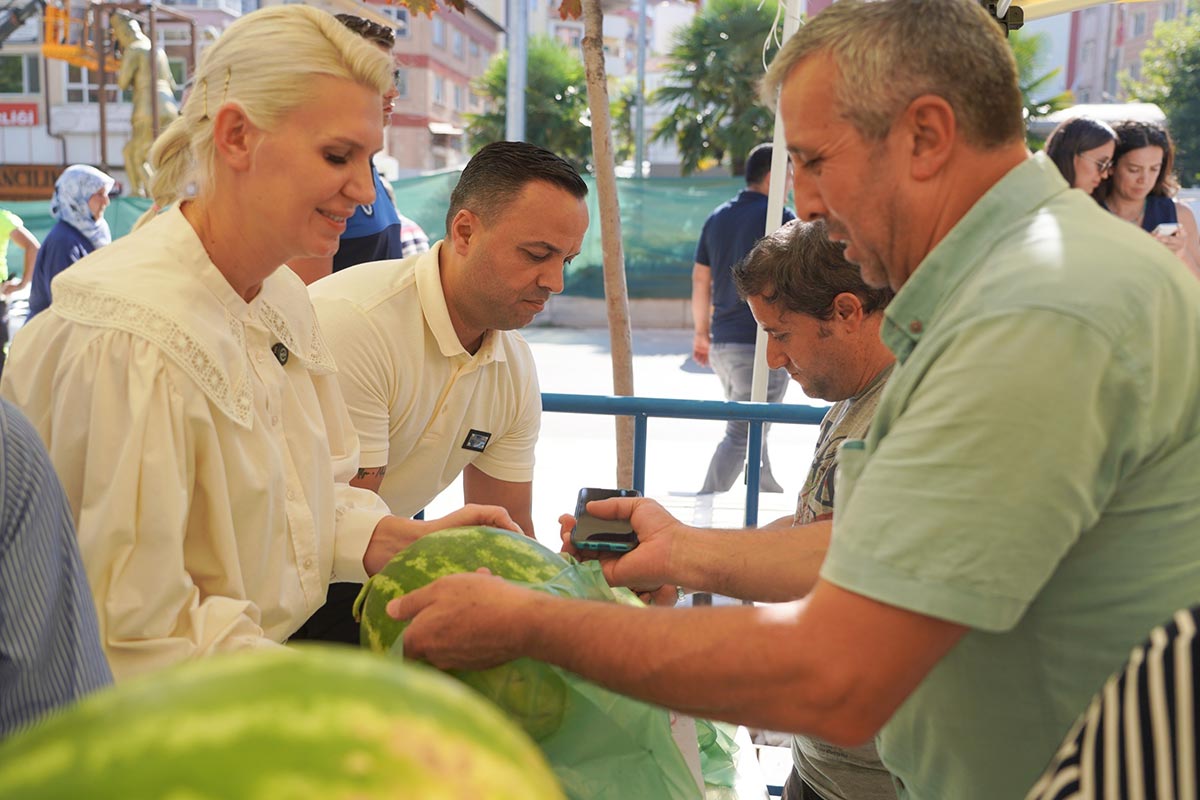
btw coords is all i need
(369, 30)
(1103, 165)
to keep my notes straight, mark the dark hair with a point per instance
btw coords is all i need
(1075, 136)
(1132, 135)
(800, 268)
(371, 31)
(758, 164)
(499, 171)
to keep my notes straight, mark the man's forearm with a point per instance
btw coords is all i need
(701, 299)
(771, 566)
(731, 663)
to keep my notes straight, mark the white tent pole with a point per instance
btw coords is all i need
(778, 191)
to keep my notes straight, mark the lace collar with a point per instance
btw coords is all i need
(159, 285)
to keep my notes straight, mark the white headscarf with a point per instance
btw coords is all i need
(72, 191)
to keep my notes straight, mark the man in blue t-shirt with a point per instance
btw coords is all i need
(725, 329)
(378, 232)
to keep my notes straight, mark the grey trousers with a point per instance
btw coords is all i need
(734, 365)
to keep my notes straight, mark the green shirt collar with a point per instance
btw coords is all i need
(962, 251)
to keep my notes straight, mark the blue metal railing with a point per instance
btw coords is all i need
(642, 408)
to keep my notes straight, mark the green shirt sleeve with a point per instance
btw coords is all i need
(964, 498)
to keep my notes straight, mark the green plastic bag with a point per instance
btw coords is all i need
(609, 747)
(718, 749)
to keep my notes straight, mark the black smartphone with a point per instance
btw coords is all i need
(602, 535)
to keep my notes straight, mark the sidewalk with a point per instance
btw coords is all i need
(577, 450)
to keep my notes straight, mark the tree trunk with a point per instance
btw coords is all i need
(615, 294)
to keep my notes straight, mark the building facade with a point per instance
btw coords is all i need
(437, 59)
(51, 113)
(1107, 43)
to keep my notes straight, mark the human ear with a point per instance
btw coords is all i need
(933, 129)
(462, 228)
(848, 310)
(234, 136)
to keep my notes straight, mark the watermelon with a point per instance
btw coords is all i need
(531, 692)
(307, 723)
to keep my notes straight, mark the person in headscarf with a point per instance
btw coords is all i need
(80, 197)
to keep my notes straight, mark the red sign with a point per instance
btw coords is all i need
(18, 115)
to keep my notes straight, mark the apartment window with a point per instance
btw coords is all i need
(439, 90)
(20, 75)
(439, 31)
(178, 72)
(459, 44)
(473, 49)
(401, 76)
(458, 97)
(82, 88)
(1168, 12)
(1087, 53)
(168, 35)
(400, 14)
(1139, 23)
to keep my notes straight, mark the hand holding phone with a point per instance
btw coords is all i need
(1166, 229)
(602, 535)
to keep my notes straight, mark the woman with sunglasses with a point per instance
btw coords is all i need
(1082, 149)
(1141, 189)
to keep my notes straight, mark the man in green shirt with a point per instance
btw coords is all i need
(1026, 504)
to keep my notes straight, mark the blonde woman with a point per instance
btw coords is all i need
(181, 382)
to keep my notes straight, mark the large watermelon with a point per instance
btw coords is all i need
(309, 723)
(532, 693)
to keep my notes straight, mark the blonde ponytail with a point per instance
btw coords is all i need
(266, 81)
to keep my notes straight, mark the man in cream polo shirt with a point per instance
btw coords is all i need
(435, 376)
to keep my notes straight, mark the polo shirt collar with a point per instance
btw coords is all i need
(437, 316)
(963, 250)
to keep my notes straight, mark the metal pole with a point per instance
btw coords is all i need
(639, 129)
(101, 38)
(753, 471)
(775, 197)
(518, 33)
(153, 72)
(639, 452)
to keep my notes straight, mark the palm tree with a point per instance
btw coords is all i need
(1028, 49)
(712, 85)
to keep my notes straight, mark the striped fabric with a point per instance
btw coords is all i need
(1137, 739)
(49, 642)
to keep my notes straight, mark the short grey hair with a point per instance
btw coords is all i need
(889, 52)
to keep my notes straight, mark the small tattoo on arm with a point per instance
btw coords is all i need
(371, 472)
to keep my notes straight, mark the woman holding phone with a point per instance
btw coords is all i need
(1141, 189)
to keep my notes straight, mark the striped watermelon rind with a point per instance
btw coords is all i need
(299, 723)
(532, 693)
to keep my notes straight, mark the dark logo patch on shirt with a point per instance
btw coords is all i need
(476, 440)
